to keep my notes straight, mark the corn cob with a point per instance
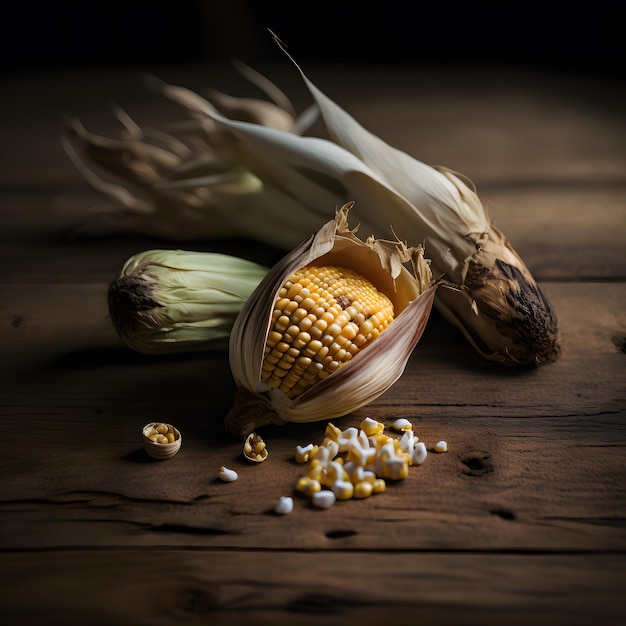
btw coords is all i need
(167, 301)
(322, 317)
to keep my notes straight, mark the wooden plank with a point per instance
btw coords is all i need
(162, 586)
(518, 484)
(536, 457)
(523, 519)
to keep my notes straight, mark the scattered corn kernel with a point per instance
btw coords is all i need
(227, 475)
(284, 505)
(402, 425)
(332, 432)
(441, 446)
(408, 441)
(343, 489)
(308, 486)
(304, 453)
(395, 468)
(363, 489)
(354, 464)
(323, 499)
(379, 485)
(332, 446)
(419, 454)
(371, 427)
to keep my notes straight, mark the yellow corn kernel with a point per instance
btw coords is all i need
(315, 470)
(361, 455)
(363, 489)
(379, 485)
(371, 427)
(332, 446)
(380, 440)
(322, 317)
(308, 485)
(332, 432)
(333, 472)
(395, 468)
(360, 475)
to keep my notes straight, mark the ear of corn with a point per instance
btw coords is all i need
(319, 338)
(248, 171)
(166, 301)
(494, 299)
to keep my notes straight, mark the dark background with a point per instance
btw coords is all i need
(584, 38)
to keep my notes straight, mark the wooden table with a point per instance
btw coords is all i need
(521, 521)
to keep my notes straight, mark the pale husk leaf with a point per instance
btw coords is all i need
(166, 301)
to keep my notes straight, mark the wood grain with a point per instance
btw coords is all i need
(162, 587)
(523, 519)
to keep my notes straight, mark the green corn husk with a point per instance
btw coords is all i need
(277, 185)
(169, 301)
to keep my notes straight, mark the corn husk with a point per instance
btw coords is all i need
(282, 184)
(137, 173)
(171, 301)
(366, 376)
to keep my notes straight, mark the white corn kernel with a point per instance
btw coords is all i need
(323, 499)
(361, 455)
(441, 446)
(408, 441)
(419, 454)
(343, 489)
(323, 455)
(304, 453)
(346, 438)
(227, 475)
(402, 425)
(284, 506)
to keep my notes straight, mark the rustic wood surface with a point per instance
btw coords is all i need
(522, 520)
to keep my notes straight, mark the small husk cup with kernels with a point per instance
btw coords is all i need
(161, 440)
(329, 329)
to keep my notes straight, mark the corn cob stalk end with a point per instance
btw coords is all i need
(501, 309)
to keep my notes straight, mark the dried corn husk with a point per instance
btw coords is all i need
(138, 171)
(366, 376)
(282, 184)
